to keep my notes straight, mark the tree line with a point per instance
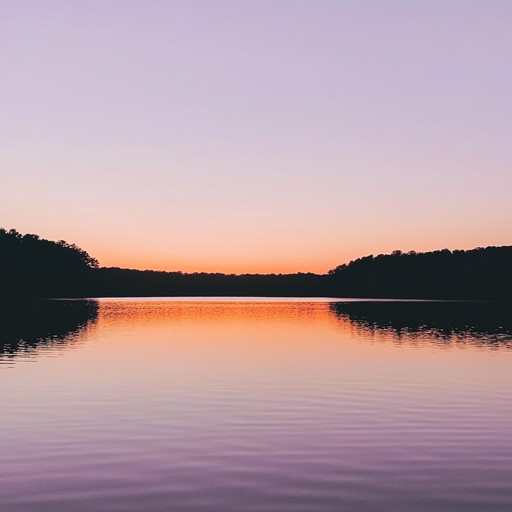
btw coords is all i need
(31, 266)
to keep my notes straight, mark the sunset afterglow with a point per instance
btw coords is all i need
(256, 136)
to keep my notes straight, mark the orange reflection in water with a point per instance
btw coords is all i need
(279, 340)
(293, 395)
(221, 333)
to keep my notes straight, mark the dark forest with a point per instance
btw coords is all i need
(34, 267)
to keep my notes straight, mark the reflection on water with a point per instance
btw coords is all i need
(481, 323)
(219, 406)
(24, 327)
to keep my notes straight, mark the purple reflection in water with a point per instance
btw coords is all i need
(255, 406)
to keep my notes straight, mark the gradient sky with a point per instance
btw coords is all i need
(256, 136)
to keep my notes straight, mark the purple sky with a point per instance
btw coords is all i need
(256, 136)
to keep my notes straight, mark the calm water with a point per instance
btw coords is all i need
(244, 405)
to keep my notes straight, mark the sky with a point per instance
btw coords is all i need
(256, 136)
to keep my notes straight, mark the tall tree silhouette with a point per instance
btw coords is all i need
(32, 266)
(481, 273)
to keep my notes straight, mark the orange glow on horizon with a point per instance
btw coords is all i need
(264, 263)
(193, 144)
(313, 250)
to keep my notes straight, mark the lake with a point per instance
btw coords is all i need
(289, 405)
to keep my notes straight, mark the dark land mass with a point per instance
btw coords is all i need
(34, 267)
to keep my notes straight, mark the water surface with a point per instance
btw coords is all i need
(255, 405)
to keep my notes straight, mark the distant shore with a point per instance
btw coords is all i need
(35, 267)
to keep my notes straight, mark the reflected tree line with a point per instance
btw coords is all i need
(34, 267)
(40, 324)
(28, 325)
(482, 323)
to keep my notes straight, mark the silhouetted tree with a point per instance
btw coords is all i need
(32, 266)
(482, 273)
